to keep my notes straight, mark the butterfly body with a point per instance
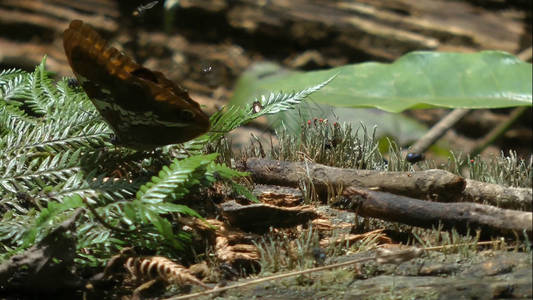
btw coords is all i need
(143, 107)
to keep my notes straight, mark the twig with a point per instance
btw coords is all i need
(432, 184)
(438, 130)
(485, 243)
(497, 195)
(461, 216)
(499, 130)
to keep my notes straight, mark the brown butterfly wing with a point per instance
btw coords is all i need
(143, 107)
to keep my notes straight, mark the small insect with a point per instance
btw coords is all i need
(414, 157)
(141, 9)
(331, 143)
(257, 107)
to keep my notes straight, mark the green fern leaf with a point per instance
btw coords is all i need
(231, 117)
(44, 222)
(169, 178)
(40, 89)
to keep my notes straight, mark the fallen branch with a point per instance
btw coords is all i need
(433, 184)
(438, 130)
(461, 216)
(497, 195)
(437, 185)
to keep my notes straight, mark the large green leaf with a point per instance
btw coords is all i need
(488, 79)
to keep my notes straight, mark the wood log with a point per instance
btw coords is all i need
(498, 195)
(436, 185)
(432, 184)
(461, 216)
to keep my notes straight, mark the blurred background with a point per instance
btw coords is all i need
(205, 45)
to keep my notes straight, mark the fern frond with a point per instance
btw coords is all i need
(91, 234)
(74, 101)
(83, 124)
(229, 118)
(224, 172)
(22, 174)
(119, 211)
(92, 135)
(10, 117)
(14, 88)
(232, 117)
(169, 178)
(8, 74)
(278, 102)
(57, 136)
(95, 189)
(47, 84)
(49, 217)
(67, 95)
(39, 90)
(17, 132)
(13, 226)
(216, 172)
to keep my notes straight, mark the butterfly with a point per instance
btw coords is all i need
(143, 108)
